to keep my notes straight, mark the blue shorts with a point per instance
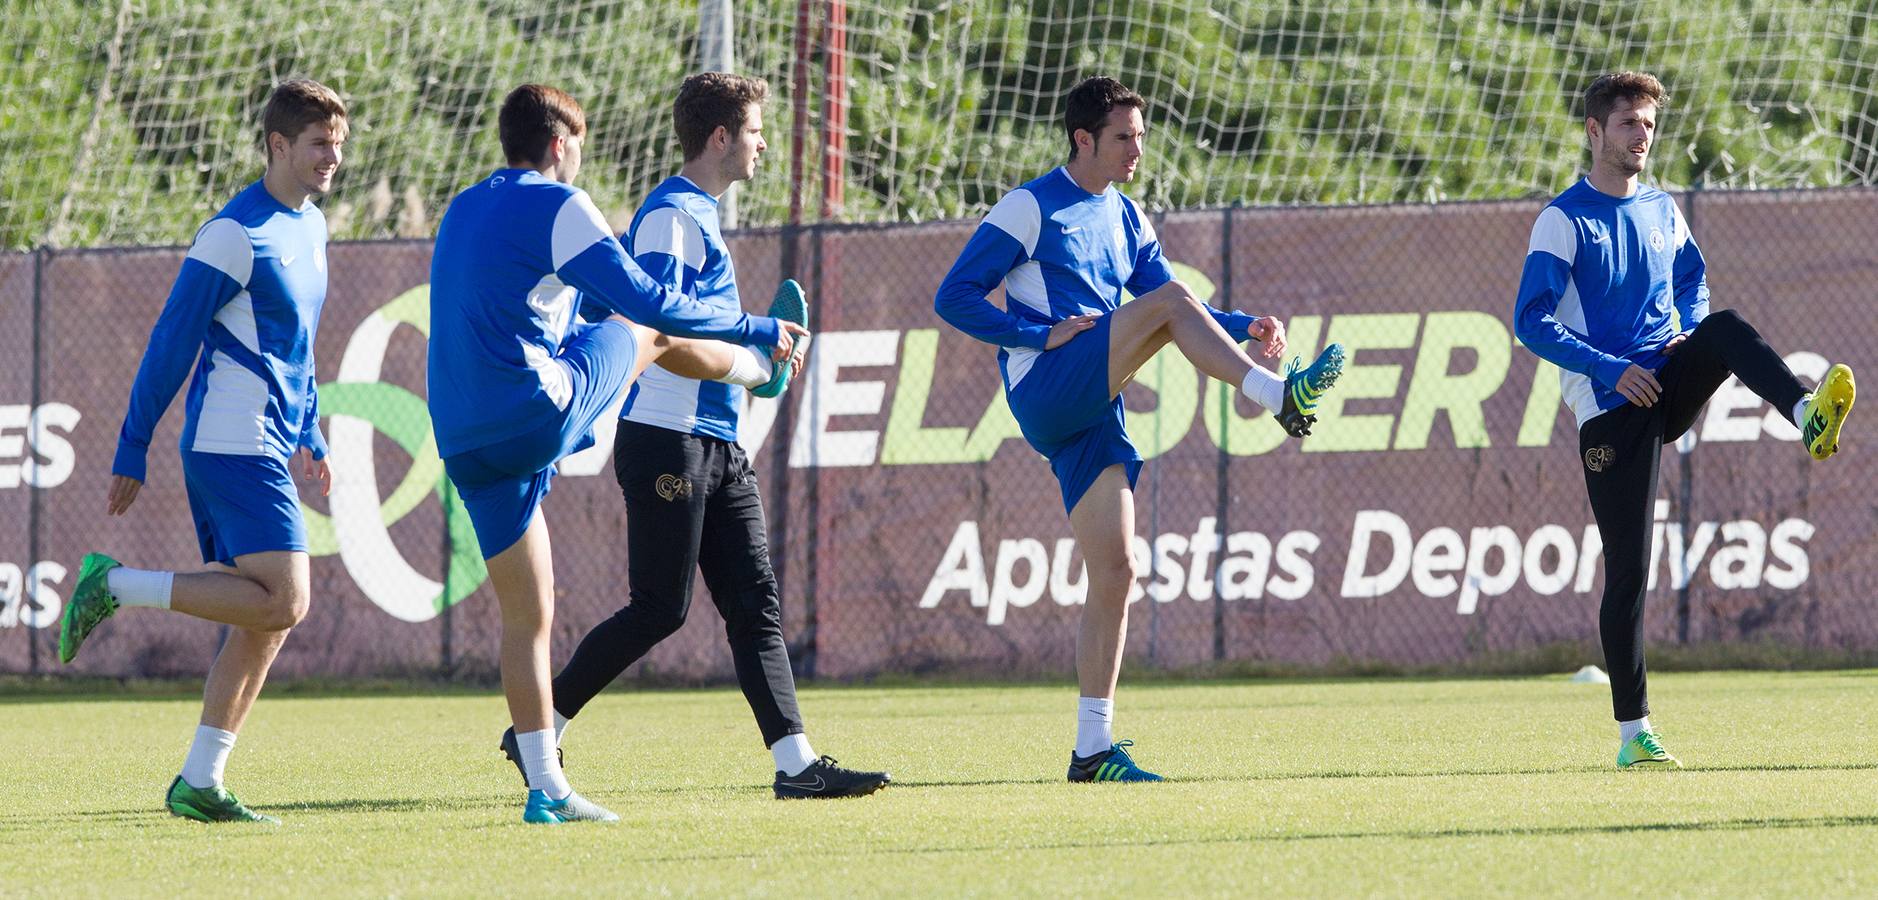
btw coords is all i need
(1063, 406)
(242, 505)
(502, 484)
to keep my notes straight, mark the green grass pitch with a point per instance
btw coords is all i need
(1336, 788)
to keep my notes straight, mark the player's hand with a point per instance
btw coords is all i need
(311, 469)
(786, 339)
(1061, 332)
(1674, 342)
(1639, 386)
(1270, 331)
(123, 492)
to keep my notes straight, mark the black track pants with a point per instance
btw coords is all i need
(1621, 450)
(691, 505)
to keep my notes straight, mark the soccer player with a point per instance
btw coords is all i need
(1608, 260)
(691, 495)
(1065, 246)
(516, 384)
(242, 314)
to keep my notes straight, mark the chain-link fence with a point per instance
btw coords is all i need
(1436, 515)
(140, 117)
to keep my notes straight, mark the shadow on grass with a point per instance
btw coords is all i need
(154, 812)
(1340, 774)
(1720, 825)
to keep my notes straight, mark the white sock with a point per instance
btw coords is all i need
(208, 756)
(543, 767)
(1632, 728)
(1265, 388)
(749, 367)
(1095, 729)
(140, 587)
(1799, 411)
(560, 727)
(793, 754)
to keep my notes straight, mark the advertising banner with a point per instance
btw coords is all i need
(1436, 513)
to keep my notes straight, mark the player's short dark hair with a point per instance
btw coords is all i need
(1088, 106)
(1602, 96)
(297, 104)
(712, 100)
(532, 116)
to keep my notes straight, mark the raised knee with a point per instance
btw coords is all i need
(1181, 303)
(1726, 319)
(285, 609)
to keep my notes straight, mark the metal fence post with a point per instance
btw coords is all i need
(40, 256)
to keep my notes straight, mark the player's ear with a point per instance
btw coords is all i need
(720, 137)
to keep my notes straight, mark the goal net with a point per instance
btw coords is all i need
(129, 121)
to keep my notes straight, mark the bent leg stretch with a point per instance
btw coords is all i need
(1170, 313)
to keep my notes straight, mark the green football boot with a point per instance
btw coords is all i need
(210, 804)
(1645, 750)
(1304, 386)
(1825, 412)
(91, 603)
(790, 305)
(1113, 764)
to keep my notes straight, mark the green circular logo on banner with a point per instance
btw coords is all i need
(358, 406)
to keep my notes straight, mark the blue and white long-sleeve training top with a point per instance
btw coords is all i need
(243, 313)
(675, 237)
(1059, 251)
(1601, 276)
(515, 253)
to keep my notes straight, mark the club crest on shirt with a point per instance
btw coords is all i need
(672, 487)
(1599, 458)
(1121, 238)
(1656, 239)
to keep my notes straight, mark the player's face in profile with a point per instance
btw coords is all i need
(1628, 133)
(746, 146)
(314, 156)
(1118, 147)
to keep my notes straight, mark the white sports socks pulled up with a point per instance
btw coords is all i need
(1265, 387)
(208, 756)
(1799, 411)
(793, 754)
(541, 764)
(140, 587)
(560, 727)
(749, 368)
(1630, 729)
(1095, 728)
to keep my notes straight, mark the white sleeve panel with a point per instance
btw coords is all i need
(1681, 227)
(1148, 236)
(1018, 216)
(1553, 233)
(577, 226)
(672, 232)
(224, 245)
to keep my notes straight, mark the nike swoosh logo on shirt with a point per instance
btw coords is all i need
(1600, 238)
(1071, 229)
(286, 261)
